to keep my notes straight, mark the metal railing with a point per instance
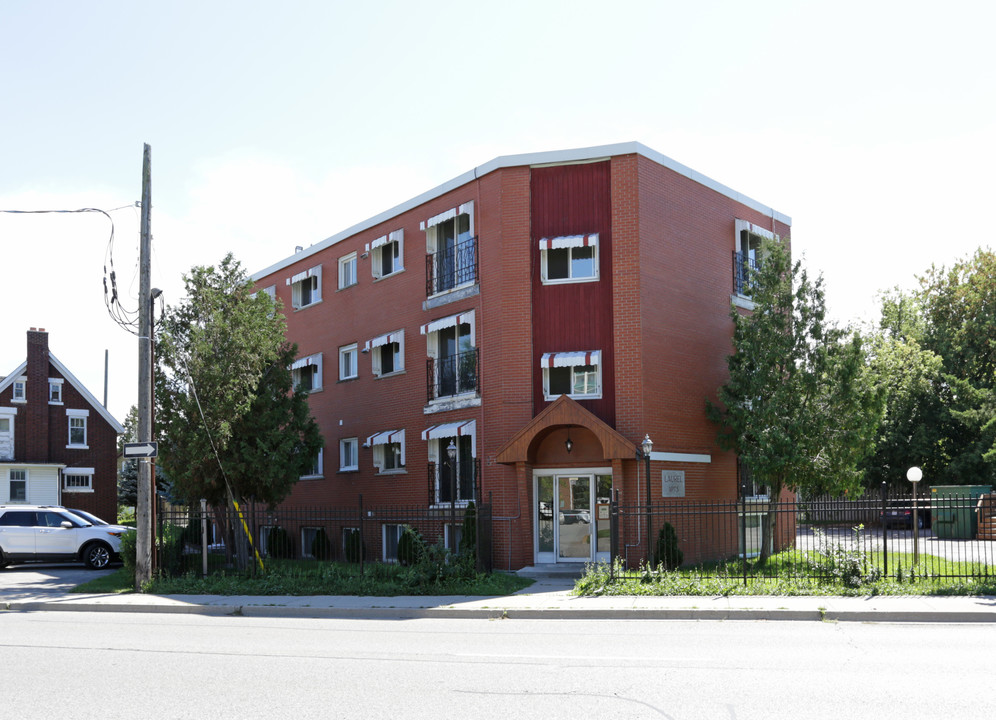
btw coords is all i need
(453, 375)
(358, 534)
(949, 536)
(743, 268)
(451, 267)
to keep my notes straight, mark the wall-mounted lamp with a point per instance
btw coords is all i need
(568, 443)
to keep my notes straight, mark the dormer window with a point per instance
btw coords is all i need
(19, 390)
(55, 391)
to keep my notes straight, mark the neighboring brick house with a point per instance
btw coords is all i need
(58, 444)
(541, 313)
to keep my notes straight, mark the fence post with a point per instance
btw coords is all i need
(204, 537)
(885, 532)
(361, 534)
(743, 531)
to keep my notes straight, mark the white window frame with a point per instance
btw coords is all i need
(7, 437)
(572, 361)
(349, 447)
(386, 531)
(319, 465)
(349, 353)
(82, 419)
(312, 276)
(431, 331)
(55, 386)
(393, 243)
(382, 343)
(308, 364)
(348, 275)
(24, 478)
(389, 443)
(80, 474)
(438, 438)
(19, 390)
(430, 227)
(743, 244)
(569, 243)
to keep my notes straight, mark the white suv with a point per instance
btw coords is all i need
(53, 534)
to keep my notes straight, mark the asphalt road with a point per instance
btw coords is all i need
(169, 666)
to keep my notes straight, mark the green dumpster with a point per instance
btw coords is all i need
(952, 510)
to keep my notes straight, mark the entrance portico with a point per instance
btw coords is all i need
(570, 462)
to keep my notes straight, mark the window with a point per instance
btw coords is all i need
(77, 480)
(449, 479)
(387, 353)
(747, 254)
(7, 433)
(306, 373)
(306, 287)
(347, 271)
(392, 535)
(19, 390)
(572, 258)
(451, 250)
(575, 374)
(77, 428)
(55, 391)
(348, 454)
(452, 364)
(387, 254)
(18, 486)
(308, 537)
(317, 466)
(388, 450)
(347, 362)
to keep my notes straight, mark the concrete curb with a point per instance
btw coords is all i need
(514, 613)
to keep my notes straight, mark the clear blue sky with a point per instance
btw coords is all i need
(872, 124)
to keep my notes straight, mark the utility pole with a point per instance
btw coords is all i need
(143, 512)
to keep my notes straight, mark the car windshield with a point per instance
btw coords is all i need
(76, 518)
(91, 519)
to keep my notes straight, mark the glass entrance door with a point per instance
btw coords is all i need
(571, 515)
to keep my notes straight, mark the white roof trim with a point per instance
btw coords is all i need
(94, 403)
(554, 157)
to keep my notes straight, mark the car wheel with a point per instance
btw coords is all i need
(97, 556)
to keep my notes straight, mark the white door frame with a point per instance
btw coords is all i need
(551, 553)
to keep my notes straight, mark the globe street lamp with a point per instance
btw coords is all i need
(451, 452)
(645, 447)
(915, 475)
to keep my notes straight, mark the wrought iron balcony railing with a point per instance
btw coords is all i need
(744, 268)
(453, 375)
(451, 267)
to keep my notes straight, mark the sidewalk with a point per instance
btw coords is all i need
(548, 598)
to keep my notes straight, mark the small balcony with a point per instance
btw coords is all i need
(744, 268)
(451, 376)
(451, 267)
(442, 485)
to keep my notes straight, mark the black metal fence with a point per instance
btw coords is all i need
(949, 536)
(358, 534)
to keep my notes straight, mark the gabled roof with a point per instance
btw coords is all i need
(80, 388)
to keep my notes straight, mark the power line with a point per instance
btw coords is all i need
(124, 317)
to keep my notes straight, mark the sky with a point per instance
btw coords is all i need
(871, 123)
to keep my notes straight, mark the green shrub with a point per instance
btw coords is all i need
(128, 552)
(668, 555)
(321, 546)
(354, 549)
(411, 546)
(279, 544)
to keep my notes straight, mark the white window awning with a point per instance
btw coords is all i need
(451, 321)
(304, 275)
(571, 359)
(385, 339)
(306, 361)
(568, 241)
(456, 429)
(465, 209)
(386, 438)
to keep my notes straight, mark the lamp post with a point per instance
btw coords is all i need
(645, 447)
(914, 475)
(451, 452)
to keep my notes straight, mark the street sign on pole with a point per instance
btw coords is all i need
(141, 450)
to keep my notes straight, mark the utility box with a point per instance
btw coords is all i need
(952, 509)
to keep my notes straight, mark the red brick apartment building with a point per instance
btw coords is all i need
(58, 444)
(541, 314)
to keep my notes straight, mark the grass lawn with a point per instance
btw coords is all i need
(308, 577)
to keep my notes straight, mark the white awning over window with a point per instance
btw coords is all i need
(456, 429)
(304, 275)
(465, 209)
(395, 236)
(568, 241)
(386, 438)
(570, 359)
(451, 321)
(306, 361)
(394, 337)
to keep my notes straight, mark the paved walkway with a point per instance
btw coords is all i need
(547, 598)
